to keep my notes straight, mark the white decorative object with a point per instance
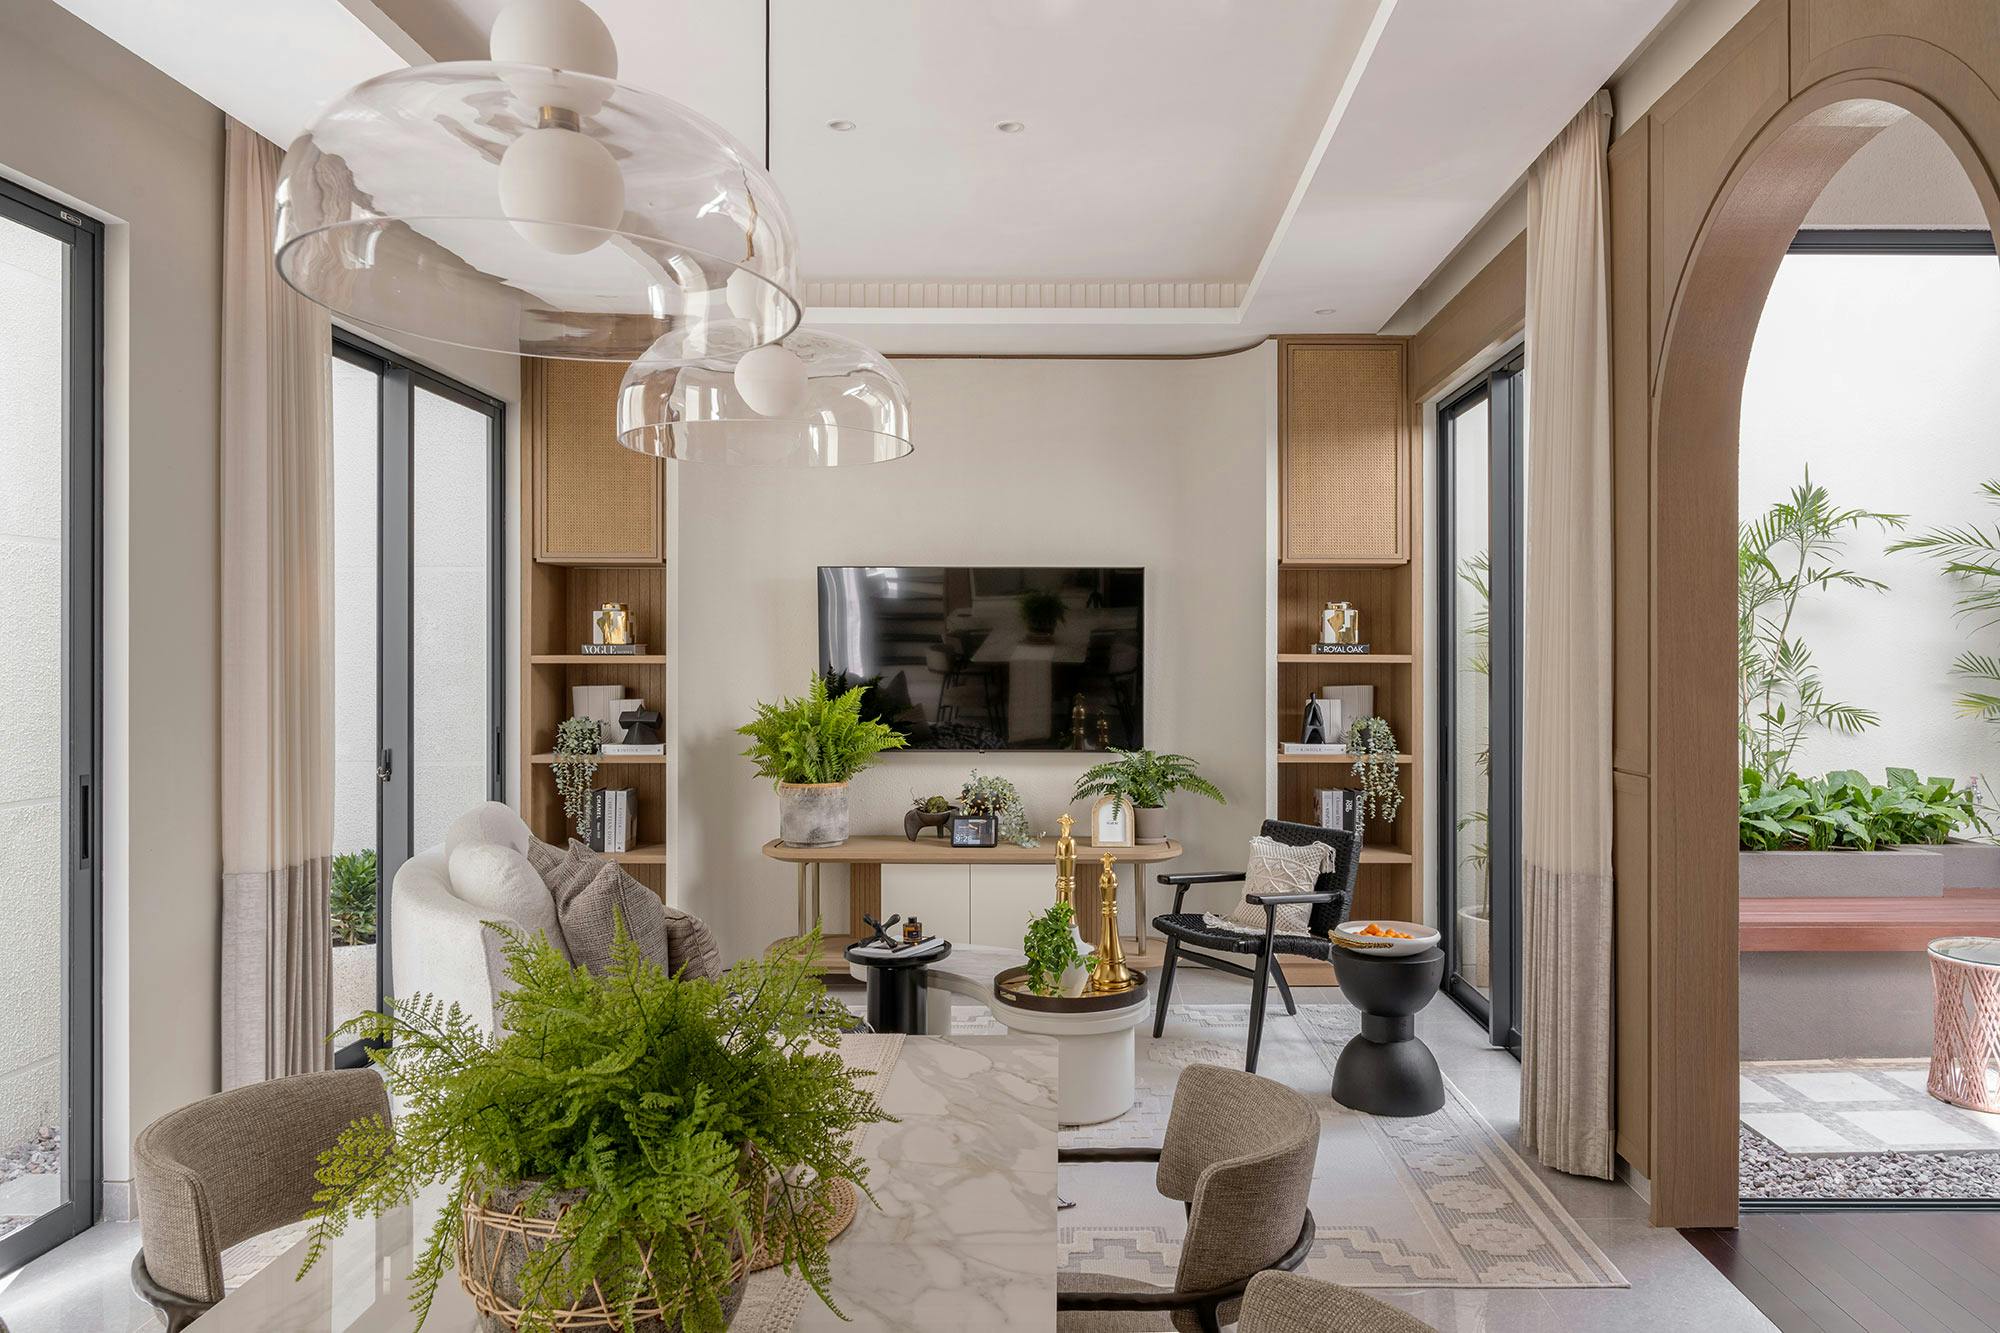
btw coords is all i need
(1111, 822)
(499, 879)
(772, 381)
(1422, 938)
(568, 180)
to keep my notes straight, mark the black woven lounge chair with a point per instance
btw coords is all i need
(1189, 940)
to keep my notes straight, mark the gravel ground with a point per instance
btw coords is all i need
(40, 1155)
(1769, 1172)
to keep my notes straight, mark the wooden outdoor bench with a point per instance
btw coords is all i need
(1863, 925)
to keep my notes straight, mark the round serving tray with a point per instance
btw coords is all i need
(1011, 989)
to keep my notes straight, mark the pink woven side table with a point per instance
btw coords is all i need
(1965, 1051)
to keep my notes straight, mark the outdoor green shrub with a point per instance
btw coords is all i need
(353, 897)
(1845, 810)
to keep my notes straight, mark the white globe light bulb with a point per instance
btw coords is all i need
(772, 381)
(561, 189)
(559, 37)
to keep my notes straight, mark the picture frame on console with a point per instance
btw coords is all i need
(975, 831)
(1111, 822)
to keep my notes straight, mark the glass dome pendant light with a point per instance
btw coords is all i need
(810, 400)
(532, 205)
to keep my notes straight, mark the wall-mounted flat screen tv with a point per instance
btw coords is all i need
(982, 658)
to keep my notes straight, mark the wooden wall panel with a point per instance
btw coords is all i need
(1632, 975)
(1343, 451)
(1487, 311)
(1700, 127)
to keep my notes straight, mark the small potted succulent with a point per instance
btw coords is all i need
(1057, 964)
(811, 748)
(927, 812)
(1143, 780)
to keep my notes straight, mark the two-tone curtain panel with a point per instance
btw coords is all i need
(277, 643)
(1566, 906)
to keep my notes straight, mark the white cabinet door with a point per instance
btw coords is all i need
(1004, 897)
(935, 895)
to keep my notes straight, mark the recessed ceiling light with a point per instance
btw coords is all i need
(1010, 127)
(840, 126)
(1326, 310)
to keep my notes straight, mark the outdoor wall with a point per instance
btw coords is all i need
(83, 119)
(1876, 371)
(1164, 464)
(31, 553)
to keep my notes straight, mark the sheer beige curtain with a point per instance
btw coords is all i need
(277, 643)
(1566, 1056)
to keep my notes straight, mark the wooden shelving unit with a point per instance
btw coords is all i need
(1349, 530)
(594, 516)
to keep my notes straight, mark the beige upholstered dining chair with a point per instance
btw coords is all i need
(230, 1167)
(1239, 1154)
(1289, 1303)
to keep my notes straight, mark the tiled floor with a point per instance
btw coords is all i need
(84, 1288)
(1858, 1106)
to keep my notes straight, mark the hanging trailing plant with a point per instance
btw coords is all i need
(577, 738)
(1373, 746)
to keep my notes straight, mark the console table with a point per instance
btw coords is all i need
(866, 855)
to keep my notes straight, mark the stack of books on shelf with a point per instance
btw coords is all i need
(614, 819)
(1312, 747)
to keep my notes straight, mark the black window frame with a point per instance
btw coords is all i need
(398, 379)
(1500, 385)
(83, 721)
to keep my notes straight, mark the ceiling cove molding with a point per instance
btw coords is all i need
(1026, 295)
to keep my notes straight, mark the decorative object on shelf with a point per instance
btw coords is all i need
(642, 727)
(612, 624)
(1108, 973)
(1374, 747)
(1341, 649)
(997, 797)
(558, 1162)
(1340, 629)
(810, 748)
(611, 649)
(531, 205)
(577, 743)
(1056, 966)
(878, 931)
(1042, 614)
(603, 704)
(913, 931)
(1145, 780)
(1327, 748)
(974, 831)
(927, 812)
(1354, 700)
(1322, 721)
(1339, 808)
(1111, 822)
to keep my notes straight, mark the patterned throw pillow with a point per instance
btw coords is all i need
(689, 949)
(1277, 868)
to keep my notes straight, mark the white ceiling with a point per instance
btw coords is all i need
(1245, 162)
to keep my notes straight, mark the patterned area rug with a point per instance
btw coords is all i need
(1860, 1129)
(1433, 1201)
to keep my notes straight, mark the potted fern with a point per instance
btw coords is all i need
(1144, 780)
(621, 1148)
(811, 748)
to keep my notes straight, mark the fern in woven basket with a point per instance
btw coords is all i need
(692, 1117)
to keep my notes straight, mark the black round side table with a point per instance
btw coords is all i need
(896, 987)
(1386, 1070)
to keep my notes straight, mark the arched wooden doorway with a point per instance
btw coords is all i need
(1707, 191)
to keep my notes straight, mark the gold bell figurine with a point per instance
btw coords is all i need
(1108, 974)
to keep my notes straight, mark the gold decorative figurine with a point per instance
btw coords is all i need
(1108, 974)
(1065, 863)
(614, 623)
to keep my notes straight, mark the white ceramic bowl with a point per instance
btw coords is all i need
(1422, 937)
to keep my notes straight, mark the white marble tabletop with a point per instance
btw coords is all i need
(962, 1234)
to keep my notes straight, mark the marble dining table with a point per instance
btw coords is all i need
(961, 1233)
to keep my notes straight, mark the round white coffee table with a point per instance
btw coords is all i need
(1095, 1052)
(1095, 1055)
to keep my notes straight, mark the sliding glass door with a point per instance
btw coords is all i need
(50, 283)
(417, 604)
(1481, 456)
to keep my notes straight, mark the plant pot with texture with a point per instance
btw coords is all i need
(809, 748)
(1151, 824)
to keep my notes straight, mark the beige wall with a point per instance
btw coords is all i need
(84, 119)
(1157, 463)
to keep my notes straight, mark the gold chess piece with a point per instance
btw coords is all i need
(1065, 862)
(1108, 973)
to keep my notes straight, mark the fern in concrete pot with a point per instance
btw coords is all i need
(811, 748)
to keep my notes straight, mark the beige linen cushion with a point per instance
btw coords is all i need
(500, 880)
(1276, 867)
(690, 948)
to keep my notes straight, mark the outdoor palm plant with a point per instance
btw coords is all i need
(1780, 557)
